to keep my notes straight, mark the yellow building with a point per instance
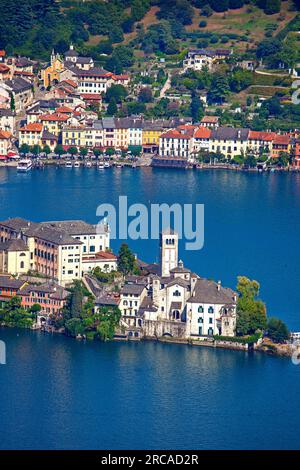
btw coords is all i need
(77, 137)
(54, 122)
(5, 142)
(229, 141)
(151, 132)
(52, 73)
(14, 257)
(31, 134)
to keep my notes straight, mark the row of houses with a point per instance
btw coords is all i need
(59, 250)
(185, 142)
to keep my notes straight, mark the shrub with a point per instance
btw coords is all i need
(203, 24)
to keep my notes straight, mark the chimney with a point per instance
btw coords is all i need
(219, 285)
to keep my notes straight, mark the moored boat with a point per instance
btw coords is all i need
(24, 165)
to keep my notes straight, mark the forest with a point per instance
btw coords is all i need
(34, 27)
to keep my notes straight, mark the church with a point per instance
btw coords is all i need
(170, 300)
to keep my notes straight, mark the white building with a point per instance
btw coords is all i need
(176, 300)
(211, 310)
(177, 143)
(198, 59)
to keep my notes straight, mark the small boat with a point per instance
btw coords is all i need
(101, 166)
(88, 164)
(106, 165)
(118, 165)
(76, 165)
(24, 165)
(69, 164)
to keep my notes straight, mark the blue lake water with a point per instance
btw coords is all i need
(59, 393)
(252, 221)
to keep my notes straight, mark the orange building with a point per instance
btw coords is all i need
(296, 162)
(51, 297)
(281, 144)
(9, 287)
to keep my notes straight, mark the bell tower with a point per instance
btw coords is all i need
(168, 246)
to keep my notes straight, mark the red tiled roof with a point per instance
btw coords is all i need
(174, 134)
(64, 110)
(70, 82)
(54, 117)
(2, 53)
(202, 133)
(105, 255)
(25, 74)
(210, 119)
(120, 77)
(4, 68)
(265, 136)
(5, 134)
(33, 127)
(282, 139)
(91, 96)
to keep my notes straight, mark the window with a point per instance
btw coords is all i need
(200, 309)
(210, 321)
(200, 320)
(22, 265)
(176, 293)
(210, 309)
(92, 248)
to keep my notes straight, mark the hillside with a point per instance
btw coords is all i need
(98, 27)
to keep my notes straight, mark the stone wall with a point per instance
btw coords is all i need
(156, 329)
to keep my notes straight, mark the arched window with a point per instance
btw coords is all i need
(22, 265)
(210, 309)
(200, 320)
(177, 293)
(200, 309)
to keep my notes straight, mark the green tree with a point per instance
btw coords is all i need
(112, 108)
(126, 260)
(251, 312)
(12, 102)
(74, 327)
(118, 92)
(277, 330)
(83, 152)
(197, 110)
(72, 151)
(219, 89)
(272, 6)
(46, 149)
(59, 150)
(35, 150)
(24, 149)
(145, 95)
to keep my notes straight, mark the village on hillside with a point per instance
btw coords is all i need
(72, 108)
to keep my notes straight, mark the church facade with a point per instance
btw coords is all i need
(170, 300)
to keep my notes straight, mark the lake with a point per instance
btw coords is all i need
(252, 221)
(60, 393)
